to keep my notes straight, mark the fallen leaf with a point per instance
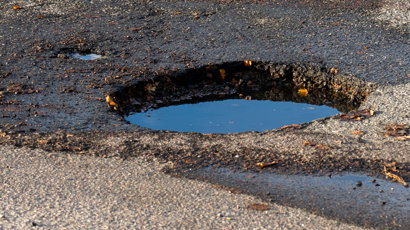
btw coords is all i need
(405, 138)
(111, 102)
(334, 70)
(150, 87)
(357, 132)
(263, 165)
(41, 16)
(223, 73)
(42, 142)
(258, 207)
(135, 29)
(302, 92)
(248, 98)
(322, 147)
(393, 164)
(196, 15)
(309, 143)
(396, 130)
(394, 177)
(290, 126)
(247, 63)
(356, 115)
(16, 7)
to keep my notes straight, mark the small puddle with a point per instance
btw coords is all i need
(85, 57)
(238, 96)
(230, 116)
(354, 198)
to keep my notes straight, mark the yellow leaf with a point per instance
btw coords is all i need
(248, 63)
(263, 165)
(303, 92)
(111, 102)
(17, 7)
(223, 73)
(334, 70)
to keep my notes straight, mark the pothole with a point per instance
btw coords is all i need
(85, 57)
(297, 91)
(229, 116)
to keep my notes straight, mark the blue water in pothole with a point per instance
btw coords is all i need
(86, 57)
(230, 116)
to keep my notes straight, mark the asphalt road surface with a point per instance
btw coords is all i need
(69, 161)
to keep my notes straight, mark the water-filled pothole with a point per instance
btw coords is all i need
(85, 57)
(257, 81)
(229, 116)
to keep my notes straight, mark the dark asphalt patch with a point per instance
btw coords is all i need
(354, 198)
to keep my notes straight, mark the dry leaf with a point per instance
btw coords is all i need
(405, 138)
(223, 73)
(248, 98)
(247, 63)
(309, 143)
(263, 165)
(302, 92)
(322, 147)
(135, 29)
(356, 115)
(316, 145)
(394, 177)
(111, 102)
(258, 207)
(17, 7)
(290, 126)
(357, 132)
(334, 70)
(150, 87)
(396, 130)
(42, 142)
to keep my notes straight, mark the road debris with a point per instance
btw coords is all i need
(258, 207)
(264, 165)
(394, 177)
(399, 131)
(356, 115)
(296, 126)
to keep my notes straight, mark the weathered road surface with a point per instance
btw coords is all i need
(55, 104)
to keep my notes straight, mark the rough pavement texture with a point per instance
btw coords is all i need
(43, 190)
(52, 101)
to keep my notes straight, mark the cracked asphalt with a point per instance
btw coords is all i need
(53, 104)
